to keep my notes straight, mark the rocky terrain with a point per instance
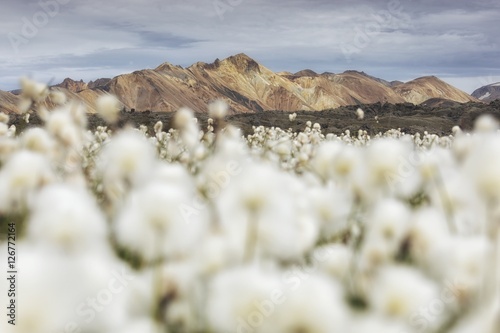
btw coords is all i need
(249, 87)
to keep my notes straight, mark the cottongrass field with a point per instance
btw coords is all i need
(203, 230)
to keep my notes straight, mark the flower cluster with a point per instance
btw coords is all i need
(204, 230)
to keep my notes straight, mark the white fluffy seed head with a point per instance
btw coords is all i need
(38, 140)
(108, 107)
(360, 113)
(21, 177)
(456, 130)
(400, 291)
(58, 97)
(183, 117)
(73, 224)
(485, 123)
(126, 160)
(4, 118)
(218, 109)
(24, 104)
(35, 91)
(158, 127)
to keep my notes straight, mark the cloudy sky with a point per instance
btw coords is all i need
(456, 40)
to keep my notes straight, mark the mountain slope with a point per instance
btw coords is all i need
(419, 90)
(488, 93)
(8, 102)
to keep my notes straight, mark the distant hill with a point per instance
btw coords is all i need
(488, 93)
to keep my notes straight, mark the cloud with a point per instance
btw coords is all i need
(394, 39)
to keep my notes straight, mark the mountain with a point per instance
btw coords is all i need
(488, 93)
(425, 88)
(8, 102)
(71, 85)
(251, 87)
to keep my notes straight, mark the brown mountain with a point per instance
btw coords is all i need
(427, 87)
(8, 102)
(250, 87)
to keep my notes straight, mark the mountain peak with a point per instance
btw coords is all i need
(166, 66)
(243, 63)
(72, 85)
(306, 72)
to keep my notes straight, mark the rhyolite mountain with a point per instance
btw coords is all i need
(249, 87)
(488, 93)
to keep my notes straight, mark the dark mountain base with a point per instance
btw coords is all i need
(408, 117)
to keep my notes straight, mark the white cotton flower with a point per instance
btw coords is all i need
(482, 167)
(124, 162)
(292, 116)
(158, 127)
(21, 177)
(386, 228)
(400, 292)
(456, 130)
(218, 109)
(262, 210)
(187, 124)
(60, 123)
(360, 113)
(33, 90)
(4, 129)
(158, 221)
(334, 260)
(241, 299)
(8, 146)
(432, 163)
(322, 163)
(4, 118)
(216, 252)
(73, 225)
(171, 174)
(428, 232)
(466, 266)
(485, 123)
(78, 112)
(336, 161)
(462, 146)
(387, 168)
(315, 305)
(283, 148)
(24, 104)
(331, 208)
(38, 140)
(58, 288)
(108, 107)
(58, 97)
(183, 117)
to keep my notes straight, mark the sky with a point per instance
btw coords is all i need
(455, 40)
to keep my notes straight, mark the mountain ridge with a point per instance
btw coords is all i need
(249, 86)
